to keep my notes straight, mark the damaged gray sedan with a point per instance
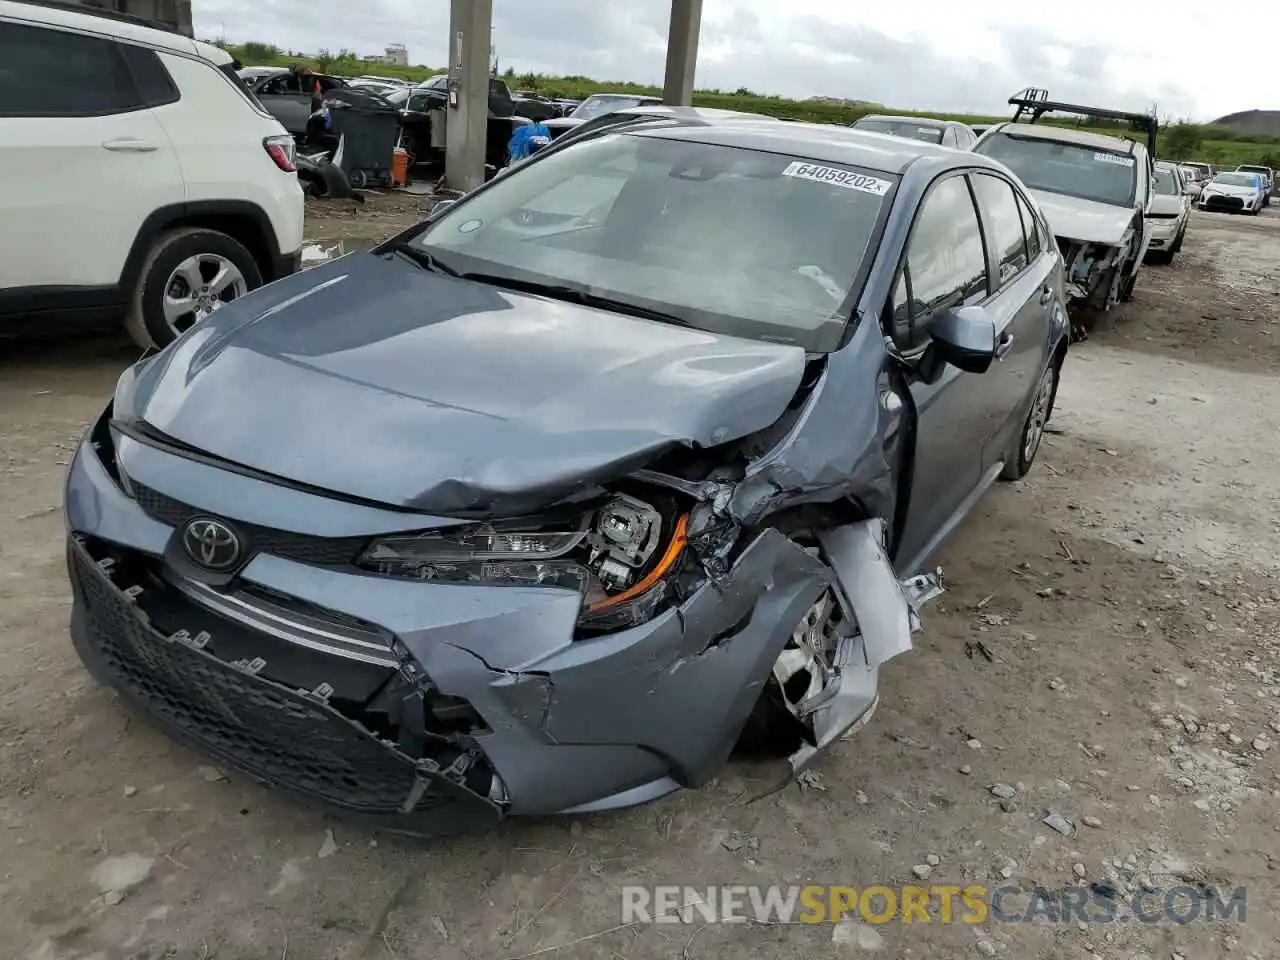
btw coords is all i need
(633, 455)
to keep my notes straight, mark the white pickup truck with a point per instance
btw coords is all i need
(1094, 190)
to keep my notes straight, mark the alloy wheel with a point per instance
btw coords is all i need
(1039, 416)
(805, 665)
(197, 287)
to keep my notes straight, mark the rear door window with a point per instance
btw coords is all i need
(1004, 225)
(49, 73)
(1031, 229)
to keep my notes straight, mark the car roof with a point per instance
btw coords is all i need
(922, 121)
(117, 26)
(688, 113)
(262, 71)
(1045, 131)
(627, 96)
(815, 141)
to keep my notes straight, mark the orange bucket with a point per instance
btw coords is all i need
(400, 166)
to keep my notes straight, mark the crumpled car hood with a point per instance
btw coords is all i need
(373, 378)
(1085, 220)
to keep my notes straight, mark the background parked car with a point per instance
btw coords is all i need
(423, 118)
(1095, 191)
(1169, 214)
(948, 133)
(1233, 192)
(1204, 171)
(1268, 179)
(534, 107)
(289, 95)
(148, 143)
(1191, 181)
(597, 105)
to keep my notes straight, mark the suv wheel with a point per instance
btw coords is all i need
(189, 273)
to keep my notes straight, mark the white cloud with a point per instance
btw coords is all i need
(927, 55)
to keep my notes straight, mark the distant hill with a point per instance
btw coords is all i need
(1264, 123)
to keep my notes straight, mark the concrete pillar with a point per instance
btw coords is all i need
(470, 23)
(682, 52)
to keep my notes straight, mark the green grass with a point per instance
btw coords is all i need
(1217, 145)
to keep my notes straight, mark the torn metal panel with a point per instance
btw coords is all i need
(1095, 272)
(837, 446)
(684, 688)
(880, 618)
(873, 597)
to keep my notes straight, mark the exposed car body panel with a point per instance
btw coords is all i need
(570, 395)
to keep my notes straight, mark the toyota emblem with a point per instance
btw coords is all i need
(211, 543)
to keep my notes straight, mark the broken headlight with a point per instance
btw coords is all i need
(483, 554)
(617, 557)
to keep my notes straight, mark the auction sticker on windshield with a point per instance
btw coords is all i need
(1114, 158)
(837, 177)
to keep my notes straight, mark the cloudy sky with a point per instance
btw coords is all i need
(924, 54)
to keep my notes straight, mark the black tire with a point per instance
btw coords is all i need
(1160, 256)
(146, 322)
(1126, 287)
(1177, 243)
(1023, 453)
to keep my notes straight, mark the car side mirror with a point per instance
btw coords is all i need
(964, 337)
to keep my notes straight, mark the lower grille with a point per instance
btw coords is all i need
(318, 551)
(282, 736)
(1225, 203)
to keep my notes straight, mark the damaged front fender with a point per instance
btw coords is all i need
(880, 616)
(644, 710)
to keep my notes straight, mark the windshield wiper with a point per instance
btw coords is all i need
(424, 259)
(578, 295)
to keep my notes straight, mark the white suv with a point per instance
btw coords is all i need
(139, 180)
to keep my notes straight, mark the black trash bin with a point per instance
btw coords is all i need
(367, 128)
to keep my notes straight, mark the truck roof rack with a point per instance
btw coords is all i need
(1035, 103)
(71, 6)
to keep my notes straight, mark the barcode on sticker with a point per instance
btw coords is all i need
(837, 177)
(1114, 158)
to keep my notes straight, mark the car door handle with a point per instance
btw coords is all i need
(1046, 294)
(1004, 345)
(130, 145)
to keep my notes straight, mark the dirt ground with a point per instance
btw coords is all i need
(1126, 592)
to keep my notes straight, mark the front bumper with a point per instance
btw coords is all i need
(427, 707)
(1164, 232)
(1224, 203)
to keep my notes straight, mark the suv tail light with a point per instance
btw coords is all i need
(281, 149)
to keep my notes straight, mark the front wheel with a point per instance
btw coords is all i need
(780, 724)
(1028, 444)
